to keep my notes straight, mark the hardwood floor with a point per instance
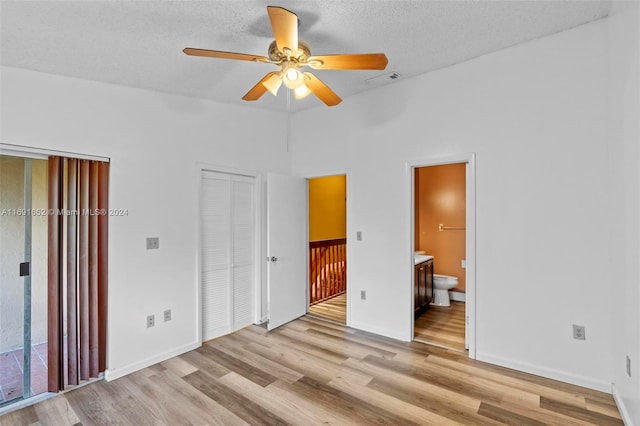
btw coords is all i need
(312, 372)
(442, 326)
(334, 309)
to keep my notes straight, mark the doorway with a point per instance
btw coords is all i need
(443, 243)
(23, 278)
(328, 247)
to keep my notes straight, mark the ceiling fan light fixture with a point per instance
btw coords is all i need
(292, 78)
(301, 92)
(273, 84)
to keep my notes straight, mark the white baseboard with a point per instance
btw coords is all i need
(458, 296)
(624, 412)
(549, 373)
(381, 331)
(114, 373)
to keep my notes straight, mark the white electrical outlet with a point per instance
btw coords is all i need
(359, 236)
(151, 321)
(363, 294)
(167, 315)
(628, 366)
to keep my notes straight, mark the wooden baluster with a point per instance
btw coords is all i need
(323, 274)
(333, 270)
(312, 281)
(343, 263)
(335, 266)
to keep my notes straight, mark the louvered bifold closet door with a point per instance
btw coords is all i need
(242, 251)
(215, 213)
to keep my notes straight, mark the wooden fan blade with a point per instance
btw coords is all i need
(258, 90)
(285, 28)
(321, 90)
(224, 55)
(362, 61)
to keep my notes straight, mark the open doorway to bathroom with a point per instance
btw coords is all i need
(328, 248)
(441, 246)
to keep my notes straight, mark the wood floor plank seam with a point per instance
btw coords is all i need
(578, 412)
(233, 364)
(352, 406)
(507, 417)
(435, 378)
(235, 402)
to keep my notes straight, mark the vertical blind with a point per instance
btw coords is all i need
(77, 270)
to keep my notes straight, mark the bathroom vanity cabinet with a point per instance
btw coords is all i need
(423, 286)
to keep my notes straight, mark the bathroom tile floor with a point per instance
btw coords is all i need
(11, 368)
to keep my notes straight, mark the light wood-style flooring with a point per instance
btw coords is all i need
(313, 372)
(334, 309)
(442, 326)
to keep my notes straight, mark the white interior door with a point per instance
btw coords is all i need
(286, 248)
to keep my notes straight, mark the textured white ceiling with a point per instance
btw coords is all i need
(139, 44)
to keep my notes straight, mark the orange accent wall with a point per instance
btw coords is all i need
(441, 198)
(327, 208)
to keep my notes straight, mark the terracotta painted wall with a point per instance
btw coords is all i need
(327, 208)
(440, 198)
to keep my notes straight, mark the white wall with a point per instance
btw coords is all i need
(535, 115)
(154, 142)
(624, 36)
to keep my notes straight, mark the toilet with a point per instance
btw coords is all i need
(441, 286)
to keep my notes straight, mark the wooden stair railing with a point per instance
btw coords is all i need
(327, 269)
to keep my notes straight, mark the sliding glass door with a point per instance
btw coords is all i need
(23, 278)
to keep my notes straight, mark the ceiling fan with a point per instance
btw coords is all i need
(292, 55)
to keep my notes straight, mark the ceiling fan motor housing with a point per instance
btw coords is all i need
(303, 52)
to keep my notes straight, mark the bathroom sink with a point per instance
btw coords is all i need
(419, 258)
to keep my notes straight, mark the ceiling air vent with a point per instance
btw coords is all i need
(384, 78)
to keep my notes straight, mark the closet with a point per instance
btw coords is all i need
(227, 264)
